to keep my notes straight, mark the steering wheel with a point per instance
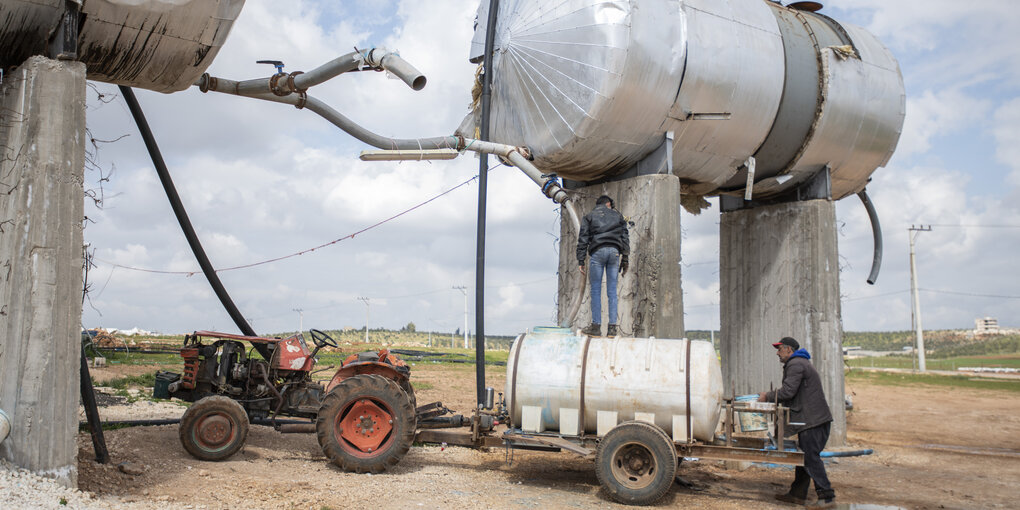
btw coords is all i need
(321, 339)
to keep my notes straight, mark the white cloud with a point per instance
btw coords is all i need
(1007, 137)
(936, 114)
(263, 180)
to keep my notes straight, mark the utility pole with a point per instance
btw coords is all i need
(301, 319)
(463, 290)
(367, 308)
(915, 297)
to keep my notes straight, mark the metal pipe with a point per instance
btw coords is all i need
(515, 155)
(283, 84)
(184, 221)
(582, 285)
(392, 62)
(876, 230)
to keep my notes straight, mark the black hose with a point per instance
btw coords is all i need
(483, 171)
(182, 218)
(876, 229)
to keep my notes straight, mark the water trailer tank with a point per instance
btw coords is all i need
(558, 380)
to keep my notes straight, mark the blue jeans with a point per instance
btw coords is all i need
(606, 258)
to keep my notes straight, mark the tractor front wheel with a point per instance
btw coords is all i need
(214, 428)
(366, 424)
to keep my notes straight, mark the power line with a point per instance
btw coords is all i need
(862, 298)
(971, 294)
(961, 225)
(302, 252)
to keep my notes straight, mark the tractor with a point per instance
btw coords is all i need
(364, 418)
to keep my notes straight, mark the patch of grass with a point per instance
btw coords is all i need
(419, 385)
(1002, 360)
(123, 383)
(946, 381)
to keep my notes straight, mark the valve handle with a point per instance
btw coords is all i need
(277, 63)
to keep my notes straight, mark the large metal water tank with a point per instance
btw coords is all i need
(576, 377)
(594, 87)
(162, 45)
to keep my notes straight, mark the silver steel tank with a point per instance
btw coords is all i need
(565, 374)
(595, 87)
(162, 45)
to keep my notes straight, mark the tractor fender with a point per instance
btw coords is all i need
(367, 367)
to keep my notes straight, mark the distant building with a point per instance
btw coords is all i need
(986, 326)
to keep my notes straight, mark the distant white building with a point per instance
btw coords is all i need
(986, 326)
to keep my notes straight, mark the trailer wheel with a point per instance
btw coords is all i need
(366, 424)
(636, 463)
(214, 428)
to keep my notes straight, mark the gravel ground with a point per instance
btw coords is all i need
(927, 456)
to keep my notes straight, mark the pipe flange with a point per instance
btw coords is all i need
(290, 82)
(203, 83)
(274, 85)
(302, 100)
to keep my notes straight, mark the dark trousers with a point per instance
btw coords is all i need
(812, 442)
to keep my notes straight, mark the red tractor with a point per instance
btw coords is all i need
(364, 418)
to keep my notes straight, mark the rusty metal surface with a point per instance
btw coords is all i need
(745, 454)
(158, 45)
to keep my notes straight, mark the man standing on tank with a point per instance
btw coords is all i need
(802, 393)
(604, 236)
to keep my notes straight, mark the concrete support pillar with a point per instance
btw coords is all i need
(651, 305)
(779, 276)
(42, 158)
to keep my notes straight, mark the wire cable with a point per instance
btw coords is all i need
(302, 252)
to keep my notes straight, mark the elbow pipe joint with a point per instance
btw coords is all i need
(382, 58)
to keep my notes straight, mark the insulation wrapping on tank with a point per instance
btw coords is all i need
(604, 89)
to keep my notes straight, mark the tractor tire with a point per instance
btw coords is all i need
(214, 428)
(636, 463)
(409, 390)
(366, 424)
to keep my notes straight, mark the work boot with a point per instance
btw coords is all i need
(593, 329)
(823, 503)
(790, 498)
(612, 330)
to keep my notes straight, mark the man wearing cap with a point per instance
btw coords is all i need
(604, 236)
(802, 393)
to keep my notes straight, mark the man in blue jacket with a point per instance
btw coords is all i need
(603, 235)
(802, 393)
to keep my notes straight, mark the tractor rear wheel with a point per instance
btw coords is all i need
(636, 463)
(214, 428)
(366, 424)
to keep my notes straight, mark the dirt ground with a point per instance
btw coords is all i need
(934, 448)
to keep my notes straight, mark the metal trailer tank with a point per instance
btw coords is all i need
(561, 381)
(162, 45)
(694, 87)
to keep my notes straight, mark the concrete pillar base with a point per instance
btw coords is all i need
(651, 305)
(42, 143)
(779, 276)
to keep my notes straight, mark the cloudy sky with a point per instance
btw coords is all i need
(263, 180)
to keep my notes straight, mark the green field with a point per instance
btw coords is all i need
(995, 361)
(944, 381)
